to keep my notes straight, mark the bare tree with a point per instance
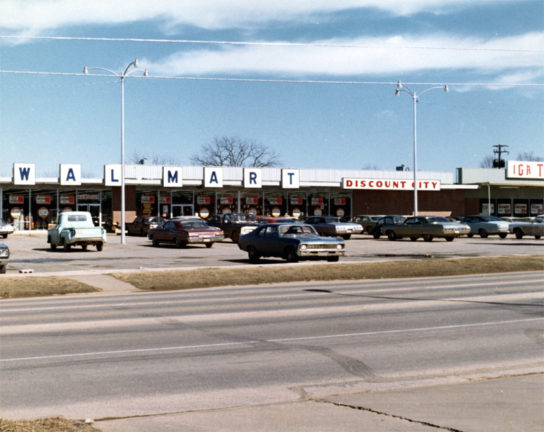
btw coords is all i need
(233, 151)
(487, 162)
(529, 156)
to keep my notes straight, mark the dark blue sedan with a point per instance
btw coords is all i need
(290, 241)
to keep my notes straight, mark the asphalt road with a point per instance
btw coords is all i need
(32, 253)
(307, 352)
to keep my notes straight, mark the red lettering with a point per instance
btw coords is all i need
(379, 183)
(349, 183)
(435, 184)
(371, 184)
(540, 165)
(403, 183)
(521, 172)
(396, 185)
(387, 184)
(528, 169)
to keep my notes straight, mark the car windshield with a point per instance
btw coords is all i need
(492, 219)
(332, 219)
(438, 219)
(194, 224)
(297, 230)
(242, 218)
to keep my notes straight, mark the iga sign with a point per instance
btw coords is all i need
(525, 170)
(390, 184)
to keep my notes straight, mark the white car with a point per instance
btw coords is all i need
(533, 227)
(5, 229)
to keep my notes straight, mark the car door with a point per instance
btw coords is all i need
(271, 244)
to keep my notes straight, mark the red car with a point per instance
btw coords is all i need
(183, 232)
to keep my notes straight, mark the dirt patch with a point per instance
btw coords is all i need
(210, 277)
(56, 424)
(31, 286)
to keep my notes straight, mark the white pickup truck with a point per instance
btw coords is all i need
(76, 229)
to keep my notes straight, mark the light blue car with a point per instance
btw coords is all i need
(486, 225)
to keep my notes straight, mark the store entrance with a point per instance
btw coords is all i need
(182, 210)
(95, 210)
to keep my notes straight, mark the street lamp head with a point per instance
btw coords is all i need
(146, 73)
(85, 70)
(399, 86)
(135, 63)
(446, 88)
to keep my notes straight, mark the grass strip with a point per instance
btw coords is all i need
(52, 424)
(32, 286)
(260, 274)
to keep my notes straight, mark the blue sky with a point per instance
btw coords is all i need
(52, 119)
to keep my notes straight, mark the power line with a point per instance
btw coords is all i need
(262, 43)
(278, 81)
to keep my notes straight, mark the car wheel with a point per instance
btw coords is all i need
(253, 255)
(470, 235)
(84, 247)
(391, 235)
(449, 238)
(209, 245)
(333, 258)
(235, 237)
(413, 238)
(346, 237)
(155, 243)
(428, 238)
(180, 243)
(518, 233)
(503, 235)
(483, 233)
(53, 246)
(3, 269)
(66, 246)
(537, 237)
(291, 255)
(99, 247)
(5, 235)
(376, 233)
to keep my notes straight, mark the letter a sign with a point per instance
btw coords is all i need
(70, 175)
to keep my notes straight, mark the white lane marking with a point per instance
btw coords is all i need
(278, 340)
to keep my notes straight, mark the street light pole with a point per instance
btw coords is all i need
(121, 77)
(415, 99)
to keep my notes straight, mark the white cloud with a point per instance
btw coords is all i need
(35, 16)
(376, 56)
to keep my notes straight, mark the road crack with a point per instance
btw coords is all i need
(382, 413)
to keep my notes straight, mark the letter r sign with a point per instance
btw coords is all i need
(252, 178)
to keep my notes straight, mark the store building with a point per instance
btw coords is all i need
(33, 203)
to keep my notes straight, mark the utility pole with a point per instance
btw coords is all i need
(499, 150)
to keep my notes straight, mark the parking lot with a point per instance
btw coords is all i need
(31, 253)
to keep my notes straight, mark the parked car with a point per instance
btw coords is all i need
(142, 224)
(291, 242)
(486, 225)
(184, 232)
(427, 227)
(76, 228)
(368, 222)
(331, 226)
(234, 225)
(4, 257)
(386, 220)
(5, 229)
(533, 227)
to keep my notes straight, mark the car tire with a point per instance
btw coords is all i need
(427, 238)
(537, 237)
(413, 238)
(291, 255)
(53, 246)
(66, 246)
(155, 243)
(3, 269)
(391, 235)
(346, 236)
(376, 234)
(470, 235)
(180, 243)
(252, 254)
(235, 237)
(99, 247)
(518, 233)
(4, 235)
(483, 233)
(449, 239)
(333, 258)
(209, 245)
(503, 235)
(84, 247)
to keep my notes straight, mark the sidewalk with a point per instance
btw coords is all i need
(512, 404)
